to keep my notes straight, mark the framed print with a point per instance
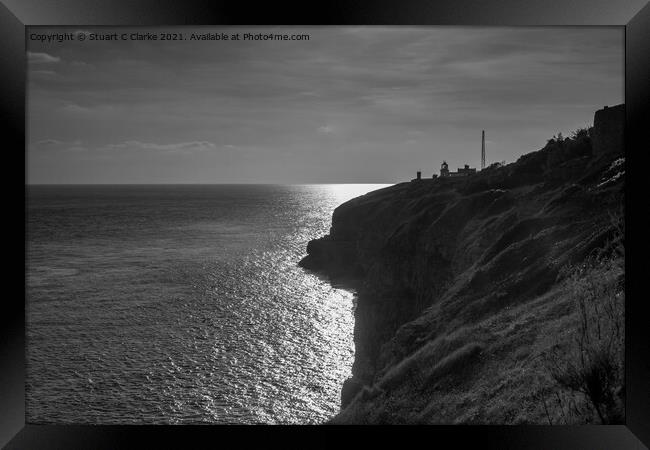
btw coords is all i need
(350, 216)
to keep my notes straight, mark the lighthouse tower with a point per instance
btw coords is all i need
(444, 169)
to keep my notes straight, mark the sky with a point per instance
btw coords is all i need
(350, 105)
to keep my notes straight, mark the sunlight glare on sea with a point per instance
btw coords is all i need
(183, 304)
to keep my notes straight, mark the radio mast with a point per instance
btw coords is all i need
(483, 150)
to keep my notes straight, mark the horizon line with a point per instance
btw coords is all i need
(201, 184)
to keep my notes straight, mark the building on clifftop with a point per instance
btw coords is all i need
(444, 169)
(609, 125)
(464, 172)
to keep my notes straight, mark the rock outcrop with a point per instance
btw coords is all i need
(457, 283)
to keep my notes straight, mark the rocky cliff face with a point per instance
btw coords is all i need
(458, 291)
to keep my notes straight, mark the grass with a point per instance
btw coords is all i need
(502, 339)
(448, 355)
(591, 366)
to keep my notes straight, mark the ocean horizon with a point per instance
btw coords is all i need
(27, 185)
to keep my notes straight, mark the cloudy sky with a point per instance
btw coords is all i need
(352, 104)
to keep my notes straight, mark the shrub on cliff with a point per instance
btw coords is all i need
(593, 363)
(561, 149)
(535, 166)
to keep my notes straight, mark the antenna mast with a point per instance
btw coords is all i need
(483, 150)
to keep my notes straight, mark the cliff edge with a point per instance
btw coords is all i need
(462, 286)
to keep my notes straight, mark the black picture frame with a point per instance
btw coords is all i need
(634, 15)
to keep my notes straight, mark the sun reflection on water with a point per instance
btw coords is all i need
(343, 192)
(222, 326)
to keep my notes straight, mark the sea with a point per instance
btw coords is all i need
(183, 304)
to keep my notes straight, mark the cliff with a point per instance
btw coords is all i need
(461, 288)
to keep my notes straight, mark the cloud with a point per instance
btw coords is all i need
(131, 145)
(50, 142)
(181, 147)
(82, 64)
(74, 108)
(57, 143)
(41, 58)
(326, 129)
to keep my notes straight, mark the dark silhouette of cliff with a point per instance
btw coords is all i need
(463, 292)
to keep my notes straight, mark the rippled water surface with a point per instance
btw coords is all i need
(183, 304)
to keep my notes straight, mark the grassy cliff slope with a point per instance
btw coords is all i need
(474, 293)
